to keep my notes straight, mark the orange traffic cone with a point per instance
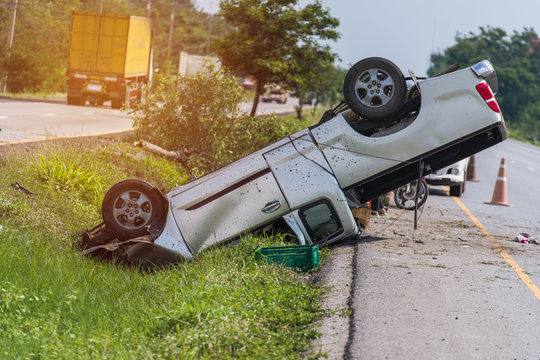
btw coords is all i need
(471, 170)
(499, 193)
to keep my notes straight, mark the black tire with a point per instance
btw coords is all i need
(116, 103)
(130, 207)
(456, 190)
(375, 89)
(76, 100)
(464, 181)
(71, 100)
(404, 196)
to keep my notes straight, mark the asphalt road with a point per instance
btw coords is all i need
(444, 291)
(36, 120)
(523, 179)
(23, 120)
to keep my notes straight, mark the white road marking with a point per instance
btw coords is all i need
(531, 168)
(3, 117)
(48, 115)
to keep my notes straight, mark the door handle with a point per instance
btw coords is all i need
(271, 206)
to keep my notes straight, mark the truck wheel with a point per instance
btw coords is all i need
(116, 103)
(130, 207)
(456, 190)
(76, 100)
(375, 89)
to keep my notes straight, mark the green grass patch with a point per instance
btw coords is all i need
(57, 304)
(36, 95)
(523, 136)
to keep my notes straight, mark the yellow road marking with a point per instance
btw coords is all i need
(518, 270)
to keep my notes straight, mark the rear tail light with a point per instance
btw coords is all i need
(486, 93)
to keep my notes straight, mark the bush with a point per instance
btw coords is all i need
(200, 115)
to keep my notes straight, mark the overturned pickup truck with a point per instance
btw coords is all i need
(383, 135)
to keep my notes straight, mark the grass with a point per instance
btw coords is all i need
(522, 136)
(57, 304)
(38, 95)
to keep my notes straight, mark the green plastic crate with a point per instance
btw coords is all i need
(303, 257)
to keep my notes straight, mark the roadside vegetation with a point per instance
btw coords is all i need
(58, 304)
(516, 58)
(302, 61)
(209, 130)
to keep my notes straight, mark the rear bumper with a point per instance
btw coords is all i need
(443, 181)
(432, 161)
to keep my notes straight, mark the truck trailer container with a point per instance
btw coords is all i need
(110, 58)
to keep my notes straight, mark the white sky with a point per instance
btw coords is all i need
(407, 32)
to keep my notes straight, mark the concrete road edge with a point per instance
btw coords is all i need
(337, 275)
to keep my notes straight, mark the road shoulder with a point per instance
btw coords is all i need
(336, 274)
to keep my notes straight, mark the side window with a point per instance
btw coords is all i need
(320, 220)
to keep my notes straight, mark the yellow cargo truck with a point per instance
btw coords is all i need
(110, 58)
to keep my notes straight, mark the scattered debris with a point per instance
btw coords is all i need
(302, 257)
(99, 243)
(179, 156)
(362, 214)
(526, 238)
(19, 187)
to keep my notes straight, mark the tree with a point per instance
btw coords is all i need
(268, 35)
(516, 59)
(309, 68)
(39, 54)
(315, 77)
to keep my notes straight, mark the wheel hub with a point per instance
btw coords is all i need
(132, 210)
(374, 87)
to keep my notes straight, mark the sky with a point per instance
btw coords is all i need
(408, 32)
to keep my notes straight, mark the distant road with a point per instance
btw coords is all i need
(23, 120)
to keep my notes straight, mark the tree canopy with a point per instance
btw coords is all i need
(516, 58)
(269, 37)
